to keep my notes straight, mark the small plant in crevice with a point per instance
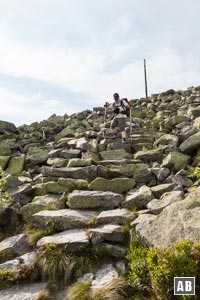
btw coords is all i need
(7, 278)
(34, 234)
(115, 290)
(5, 197)
(55, 263)
(194, 172)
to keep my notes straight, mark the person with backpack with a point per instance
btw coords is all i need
(121, 110)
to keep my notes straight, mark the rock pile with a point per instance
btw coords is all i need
(68, 175)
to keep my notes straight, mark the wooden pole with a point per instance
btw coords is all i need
(145, 78)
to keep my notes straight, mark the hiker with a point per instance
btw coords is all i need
(119, 108)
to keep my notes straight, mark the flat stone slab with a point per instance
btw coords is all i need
(138, 171)
(27, 259)
(191, 144)
(116, 185)
(62, 219)
(160, 189)
(15, 245)
(109, 232)
(94, 199)
(23, 292)
(88, 173)
(116, 216)
(115, 154)
(72, 238)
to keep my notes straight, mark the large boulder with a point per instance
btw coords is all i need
(191, 144)
(178, 221)
(16, 165)
(36, 156)
(94, 199)
(117, 185)
(7, 127)
(176, 160)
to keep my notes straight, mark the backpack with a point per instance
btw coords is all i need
(126, 108)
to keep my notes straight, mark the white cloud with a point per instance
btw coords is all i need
(19, 109)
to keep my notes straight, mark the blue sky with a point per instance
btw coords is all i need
(64, 56)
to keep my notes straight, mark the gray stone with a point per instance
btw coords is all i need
(176, 160)
(40, 203)
(117, 185)
(28, 260)
(108, 232)
(73, 239)
(62, 219)
(4, 161)
(179, 221)
(36, 156)
(77, 162)
(119, 216)
(88, 173)
(70, 153)
(15, 245)
(138, 199)
(23, 292)
(114, 250)
(161, 173)
(104, 276)
(160, 189)
(7, 127)
(16, 165)
(150, 155)
(191, 144)
(115, 154)
(140, 172)
(156, 206)
(94, 199)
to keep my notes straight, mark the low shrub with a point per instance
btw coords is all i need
(153, 270)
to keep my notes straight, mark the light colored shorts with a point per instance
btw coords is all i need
(118, 122)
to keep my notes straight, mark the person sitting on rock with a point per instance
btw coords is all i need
(120, 116)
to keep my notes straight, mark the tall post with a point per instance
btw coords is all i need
(145, 78)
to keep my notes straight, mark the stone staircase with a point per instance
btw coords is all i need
(84, 189)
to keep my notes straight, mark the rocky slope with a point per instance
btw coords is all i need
(68, 177)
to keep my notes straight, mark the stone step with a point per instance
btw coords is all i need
(108, 232)
(73, 239)
(120, 216)
(13, 246)
(116, 185)
(88, 173)
(94, 200)
(63, 219)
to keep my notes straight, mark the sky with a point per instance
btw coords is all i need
(63, 56)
